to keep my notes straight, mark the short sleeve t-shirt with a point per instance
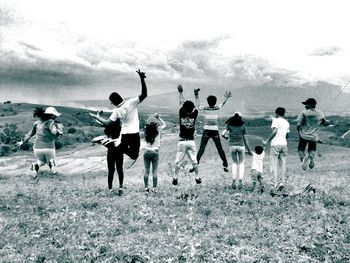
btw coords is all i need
(210, 117)
(282, 126)
(187, 124)
(257, 163)
(310, 120)
(236, 135)
(44, 137)
(128, 114)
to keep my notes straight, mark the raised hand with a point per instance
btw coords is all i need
(196, 92)
(264, 142)
(228, 94)
(141, 74)
(180, 89)
(156, 115)
(19, 144)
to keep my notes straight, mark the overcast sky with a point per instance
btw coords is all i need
(85, 49)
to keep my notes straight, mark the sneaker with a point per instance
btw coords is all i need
(225, 169)
(98, 139)
(191, 170)
(240, 184)
(305, 163)
(52, 166)
(234, 184)
(312, 163)
(35, 169)
(120, 192)
(198, 180)
(309, 188)
(174, 181)
(154, 190)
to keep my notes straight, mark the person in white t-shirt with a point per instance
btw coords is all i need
(258, 167)
(278, 147)
(126, 112)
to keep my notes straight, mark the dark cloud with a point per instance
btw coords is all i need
(326, 51)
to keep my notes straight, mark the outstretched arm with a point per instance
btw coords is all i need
(196, 94)
(27, 136)
(326, 122)
(272, 135)
(142, 76)
(99, 118)
(181, 95)
(228, 94)
(162, 122)
(246, 143)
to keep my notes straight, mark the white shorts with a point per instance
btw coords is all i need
(186, 148)
(45, 155)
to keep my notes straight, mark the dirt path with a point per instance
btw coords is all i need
(87, 158)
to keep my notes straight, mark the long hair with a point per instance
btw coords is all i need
(151, 132)
(113, 129)
(39, 112)
(235, 120)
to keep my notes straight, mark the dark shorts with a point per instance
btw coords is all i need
(303, 143)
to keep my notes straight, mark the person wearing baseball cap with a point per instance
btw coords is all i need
(46, 131)
(52, 111)
(308, 123)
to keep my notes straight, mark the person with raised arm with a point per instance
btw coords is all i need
(129, 142)
(211, 127)
(186, 145)
(308, 122)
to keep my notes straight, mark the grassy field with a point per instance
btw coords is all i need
(73, 218)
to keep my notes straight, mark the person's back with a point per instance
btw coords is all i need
(187, 123)
(236, 134)
(310, 120)
(130, 123)
(282, 129)
(44, 136)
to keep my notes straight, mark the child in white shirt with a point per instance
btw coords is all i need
(258, 167)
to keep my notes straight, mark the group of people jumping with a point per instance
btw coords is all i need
(122, 139)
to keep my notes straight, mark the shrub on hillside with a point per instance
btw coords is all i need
(5, 150)
(72, 130)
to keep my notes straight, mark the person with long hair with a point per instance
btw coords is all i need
(46, 130)
(154, 125)
(237, 142)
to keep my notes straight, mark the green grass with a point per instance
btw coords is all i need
(73, 218)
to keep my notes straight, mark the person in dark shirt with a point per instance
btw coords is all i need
(186, 146)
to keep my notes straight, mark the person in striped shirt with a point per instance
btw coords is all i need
(211, 128)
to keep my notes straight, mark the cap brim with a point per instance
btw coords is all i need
(304, 102)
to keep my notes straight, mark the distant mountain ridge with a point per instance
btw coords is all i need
(250, 100)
